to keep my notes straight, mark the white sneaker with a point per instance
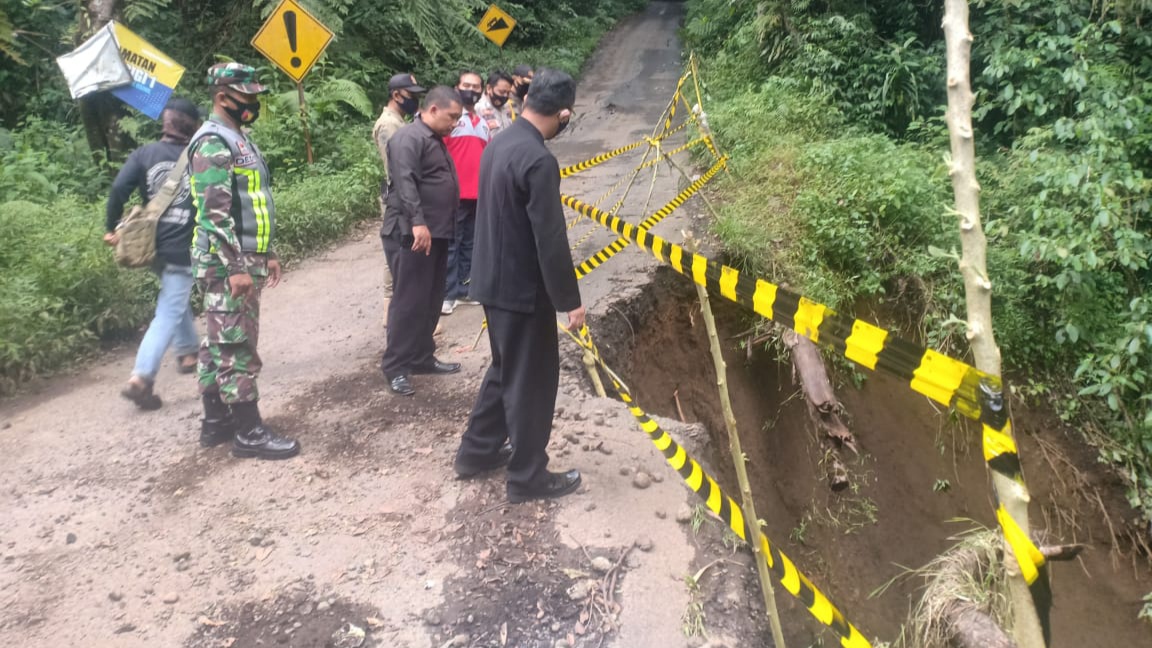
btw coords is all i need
(448, 307)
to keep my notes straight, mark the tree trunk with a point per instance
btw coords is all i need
(823, 406)
(97, 110)
(978, 289)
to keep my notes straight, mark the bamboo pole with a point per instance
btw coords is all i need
(1013, 496)
(590, 365)
(738, 460)
(589, 360)
(688, 179)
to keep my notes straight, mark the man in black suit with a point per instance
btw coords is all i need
(419, 223)
(522, 274)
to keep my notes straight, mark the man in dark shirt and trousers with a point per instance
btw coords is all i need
(419, 224)
(523, 274)
(173, 324)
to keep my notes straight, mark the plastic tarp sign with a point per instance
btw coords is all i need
(94, 66)
(154, 75)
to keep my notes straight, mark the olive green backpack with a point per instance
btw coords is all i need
(137, 230)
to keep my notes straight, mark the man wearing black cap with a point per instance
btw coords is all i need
(402, 102)
(173, 324)
(234, 259)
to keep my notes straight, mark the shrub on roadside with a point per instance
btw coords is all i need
(61, 292)
(59, 288)
(1064, 125)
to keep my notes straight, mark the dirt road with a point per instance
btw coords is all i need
(116, 529)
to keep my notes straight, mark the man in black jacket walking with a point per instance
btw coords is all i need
(419, 223)
(522, 273)
(173, 324)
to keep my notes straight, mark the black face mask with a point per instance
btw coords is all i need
(497, 101)
(470, 97)
(244, 113)
(563, 125)
(522, 89)
(409, 105)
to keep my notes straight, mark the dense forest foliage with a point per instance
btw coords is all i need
(60, 292)
(835, 112)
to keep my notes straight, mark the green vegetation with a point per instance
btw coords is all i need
(834, 114)
(61, 293)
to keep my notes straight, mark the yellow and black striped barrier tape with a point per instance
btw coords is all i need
(677, 97)
(651, 163)
(579, 167)
(600, 159)
(1002, 456)
(610, 250)
(946, 380)
(706, 488)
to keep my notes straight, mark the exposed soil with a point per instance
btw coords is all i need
(918, 481)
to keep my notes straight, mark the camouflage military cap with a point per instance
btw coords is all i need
(239, 77)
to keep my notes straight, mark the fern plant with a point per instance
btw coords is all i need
(144, 10)
(8, 38)
(326, 100)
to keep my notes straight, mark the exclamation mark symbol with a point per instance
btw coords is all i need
(290, 27)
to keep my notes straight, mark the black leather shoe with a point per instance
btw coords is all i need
(468, 470)
(213, 432)
(401, 386)
(262, 443)
(438, 367)
(553, 485)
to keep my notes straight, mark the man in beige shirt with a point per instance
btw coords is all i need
(494, 107)
(403, 101)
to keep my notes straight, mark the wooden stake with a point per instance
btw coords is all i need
(738, 461)
(304, 121)
(978, 289)
(590, 365)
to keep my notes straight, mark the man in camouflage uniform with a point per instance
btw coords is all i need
(233, 259)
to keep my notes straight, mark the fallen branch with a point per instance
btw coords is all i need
(823, 405)
(679, 409)
(971, 628)
(1062, 552)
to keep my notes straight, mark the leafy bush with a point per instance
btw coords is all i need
(1064, 119)
(42, 159)
(61, 292)
(59, 288)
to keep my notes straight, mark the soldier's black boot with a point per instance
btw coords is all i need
(218, 425)
(255, 440)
